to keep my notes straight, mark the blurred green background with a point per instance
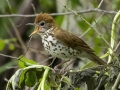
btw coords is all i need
(14, 33)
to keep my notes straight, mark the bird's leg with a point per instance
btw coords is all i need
(63, 70)
(52, 61)
(56, 67)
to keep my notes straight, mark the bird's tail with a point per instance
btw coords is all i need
(96, 59)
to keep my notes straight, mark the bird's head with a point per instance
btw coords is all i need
(43, 22)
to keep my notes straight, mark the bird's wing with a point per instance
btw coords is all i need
(71, 40)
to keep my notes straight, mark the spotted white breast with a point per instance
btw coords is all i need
(57, 49)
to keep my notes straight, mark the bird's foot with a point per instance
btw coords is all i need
(62, 71)
(59, 71)
(56, 68)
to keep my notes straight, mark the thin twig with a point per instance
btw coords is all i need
(28, 46)
(100, 4)
(25, 52)
(9, 5)
(56, 14)
(7, 29)
(49, 58)
(91, 25)
(112, 21)
(8, 56)
(21, 23)
(87, 23)
(17, 33)
(10, 34)
(52, 61)
(117, 82)
(33, 8)
(116, 48)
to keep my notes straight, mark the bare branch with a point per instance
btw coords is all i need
(100, 4)
(117, 47)
(8, 56)
(17, 33)
(87, 23)
(117, 82)
(92, 25)
(66, 13)
(9, 5)
(33, 8)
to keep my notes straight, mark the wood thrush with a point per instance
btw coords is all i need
(60, 43)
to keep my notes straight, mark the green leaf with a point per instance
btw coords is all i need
(2, 44)
(88, 65)
(66, 79)
(11, 46)
(59, 87)
(105, 55)
(10, 40)
(22, 77)
(27, 77)
(78, 89)
(47, 87)
(15, 82)
(23, 62)
(30, 79)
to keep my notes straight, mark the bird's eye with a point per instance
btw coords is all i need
(42, 23)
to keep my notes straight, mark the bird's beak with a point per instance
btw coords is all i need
(36, 30)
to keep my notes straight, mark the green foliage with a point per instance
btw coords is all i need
(83, 25)
(78, 89)
(59, 20)
(98, 43)
(2, 44)
(11, 46)
(8, 42)
(23, 62)
(116, 4)
(5, 9)
(113, 35)
(88, 65)
(38, 77)
(30, 79)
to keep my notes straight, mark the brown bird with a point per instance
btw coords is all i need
(60, 43)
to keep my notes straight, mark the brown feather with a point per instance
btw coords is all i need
(71, 40)
(45, 17)
(67, 38)
(75, 42)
